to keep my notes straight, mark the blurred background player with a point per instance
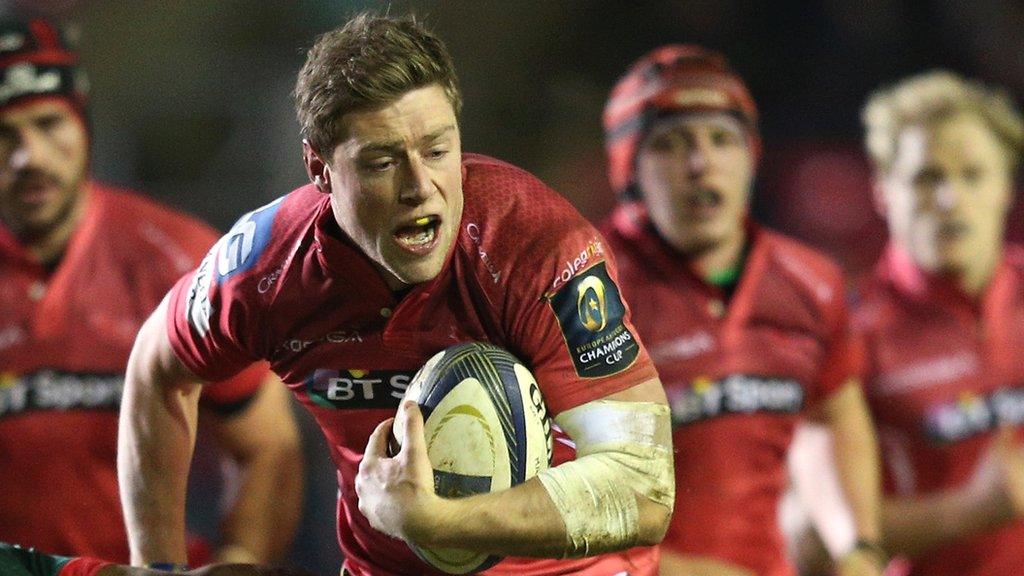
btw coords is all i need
(400, 247)
(18, 561)
(943, 322)
(748, 329)
(81, 266)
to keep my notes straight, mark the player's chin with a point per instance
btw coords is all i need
(952, 260)
(705, 236)
(33, 221)
(418, 270)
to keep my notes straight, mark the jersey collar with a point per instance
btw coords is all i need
(630, 220)
(898, 269)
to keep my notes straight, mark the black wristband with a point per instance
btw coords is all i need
(872, 547)
(167, 567)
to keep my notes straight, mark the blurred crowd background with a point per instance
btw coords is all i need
(190, 103)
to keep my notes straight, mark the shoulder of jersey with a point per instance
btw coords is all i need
(499, 192)
(260, 239)
(129, 206)
(509, 212)
(807, 269)
(512, 222)
(149, 233)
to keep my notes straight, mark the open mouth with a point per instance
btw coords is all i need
(704, 202)
(951, 230)
(34, 193)
(420, 236)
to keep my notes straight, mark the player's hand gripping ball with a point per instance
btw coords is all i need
(486, 429)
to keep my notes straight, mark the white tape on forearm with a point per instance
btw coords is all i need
(623, 449)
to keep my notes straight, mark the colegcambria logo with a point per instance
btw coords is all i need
(593, 251)
(705, 398)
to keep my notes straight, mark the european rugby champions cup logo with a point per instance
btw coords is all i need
(590, 313)
(591, 305)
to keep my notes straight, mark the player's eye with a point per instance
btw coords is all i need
(8, 136)
(378, 164)
(973, 174)
(48, 123)
(664, 142)
(724, 138)
(437, 153)
(928, 177)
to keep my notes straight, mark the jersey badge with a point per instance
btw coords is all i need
(241, 247)
(590, 313)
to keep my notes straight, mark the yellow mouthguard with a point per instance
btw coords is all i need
(423, 221)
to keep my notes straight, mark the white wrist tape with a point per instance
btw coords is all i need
(623, 450)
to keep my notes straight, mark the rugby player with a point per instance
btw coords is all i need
(82, 265)
(943, 322)
(399, 247)
(748, 329)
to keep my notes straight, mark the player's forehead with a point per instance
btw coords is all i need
(422, 114)
(34, 110)
(693, 122)
(959, 139)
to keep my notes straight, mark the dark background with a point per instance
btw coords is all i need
(191, 104)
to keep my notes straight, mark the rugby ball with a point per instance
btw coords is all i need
(486, 428)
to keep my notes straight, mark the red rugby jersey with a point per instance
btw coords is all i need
(943, 371)
(284, 284)
(738, 375)
(64, 343)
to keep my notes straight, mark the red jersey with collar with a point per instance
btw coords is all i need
(286, 285)
(943, 372)
(738, 374)
(65, 337)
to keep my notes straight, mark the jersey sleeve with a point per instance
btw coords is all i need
(207, 322)
(232, 395)
(569, 321)
(213, 320)
(844, 354)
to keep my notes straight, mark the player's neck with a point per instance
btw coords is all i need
(975, 278)
(720, 259)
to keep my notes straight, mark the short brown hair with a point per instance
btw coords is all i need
(935, 96)
(369, 62)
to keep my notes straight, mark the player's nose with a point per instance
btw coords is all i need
(417, 183)
(948, 196)
(696, 162)
(30, 152)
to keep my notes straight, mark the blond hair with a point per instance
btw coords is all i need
(369, 62)
(933, 96)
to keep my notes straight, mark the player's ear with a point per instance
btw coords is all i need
(316, 168)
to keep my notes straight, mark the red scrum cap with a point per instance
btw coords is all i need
(36, 60)
(673, 78)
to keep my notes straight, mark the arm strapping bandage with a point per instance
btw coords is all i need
(623, 449)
